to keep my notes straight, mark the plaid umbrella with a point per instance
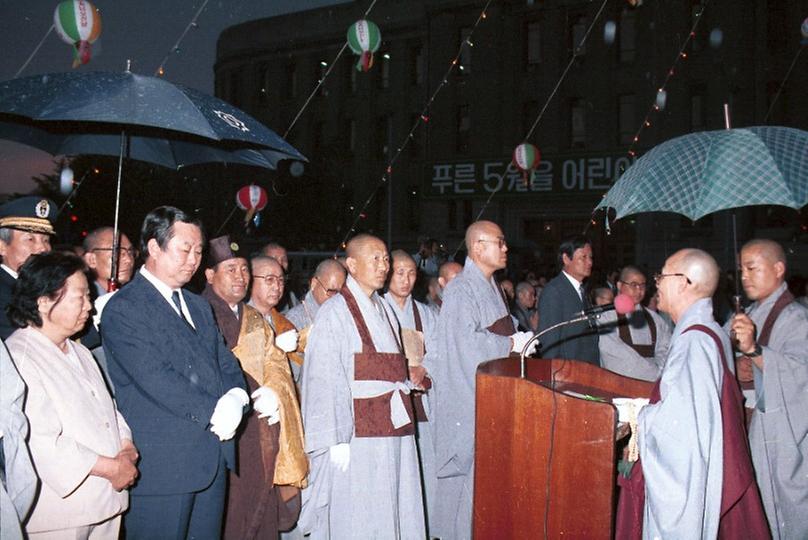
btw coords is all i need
(700, 173)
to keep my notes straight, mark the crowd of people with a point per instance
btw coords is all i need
(348, 410)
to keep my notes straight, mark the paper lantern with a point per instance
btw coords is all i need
(364, 39)
(526, 158)
(253, 199)
(78, 23)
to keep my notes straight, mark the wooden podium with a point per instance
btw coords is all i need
(534, 445)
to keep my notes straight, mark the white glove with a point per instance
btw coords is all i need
(266, 403)
(340, 456)
(287, 342)
(520, 339)
(99, 305)
(227, 414)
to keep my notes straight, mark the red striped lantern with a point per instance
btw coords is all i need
(253, 199)
(526, 158)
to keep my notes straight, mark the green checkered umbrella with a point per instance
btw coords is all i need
(700, 173)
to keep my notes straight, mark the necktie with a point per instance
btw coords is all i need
(175, 297)
(582, 292)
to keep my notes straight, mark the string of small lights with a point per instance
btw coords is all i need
(325, 76)
(661, 95)
(783, 84)
(160, 71)
(423, 118)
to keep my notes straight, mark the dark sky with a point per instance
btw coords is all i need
(143, 31)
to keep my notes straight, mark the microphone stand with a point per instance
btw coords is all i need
(578, 318)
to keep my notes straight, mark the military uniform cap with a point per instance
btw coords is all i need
(221, 249)
(31, 214)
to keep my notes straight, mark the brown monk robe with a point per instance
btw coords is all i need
(268, 456)
(282, 324)
(264, 487)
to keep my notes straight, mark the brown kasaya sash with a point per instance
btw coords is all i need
(765, 333)
(372, 415)
(418, 396)
(503, 326)
(742, 514)
(646, 351)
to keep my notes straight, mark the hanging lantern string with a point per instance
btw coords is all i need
(193, 24)
(782, 84)
(36, 50)
(76, 186)
(422, 118)
(681, 55)
(575, 54)
(325, 76)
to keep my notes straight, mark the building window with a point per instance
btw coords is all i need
(349, 77)
(384, 135)
(628, 42)
(577, 32)
(234, 88)
(319, 73)
(696, 112)
(417, 65)
(290, 81)
(626, 118)
(263, 84)
(530, 110)
(578, 124)
(533, 44)
(464, 64)
(383, 60)
(463, 123)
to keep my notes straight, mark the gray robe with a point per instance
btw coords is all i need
(778, 435)
(379, 496)
(460, 343)
(681, 438)
(426, 446)
(619, 357)
(17, 495)
(302, 316)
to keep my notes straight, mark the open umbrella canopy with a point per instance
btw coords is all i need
(704, 172)
(107, 103)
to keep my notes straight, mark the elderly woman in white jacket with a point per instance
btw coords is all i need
(80, 444)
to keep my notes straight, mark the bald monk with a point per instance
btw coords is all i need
(446, 273)
(357, 413)
(694, 478)
(772, 341)
(474, 326)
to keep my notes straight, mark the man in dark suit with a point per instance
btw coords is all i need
(178, 385)
(26, 225)
(564, 297)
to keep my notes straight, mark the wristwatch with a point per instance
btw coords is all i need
(754, 353)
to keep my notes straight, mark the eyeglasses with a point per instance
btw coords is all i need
(634, 284)
(328, 292)
(658, 277)
(269, 279)
(121, 251)
(499, 241)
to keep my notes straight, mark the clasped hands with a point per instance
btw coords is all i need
(120, 470)
(520, 339)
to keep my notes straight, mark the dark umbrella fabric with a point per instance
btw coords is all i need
(98, 101)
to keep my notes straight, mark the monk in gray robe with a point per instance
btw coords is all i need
(358, 417)
(636, 344)
(694, 461)
(417, 322)
(474, 326)
(772, 340)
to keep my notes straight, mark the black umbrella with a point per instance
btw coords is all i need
(134, 116)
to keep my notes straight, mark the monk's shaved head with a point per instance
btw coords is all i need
(768, 249)
(359, 243)
(628, 272)
(478, 229)
(700, 267)
(328, 267)
(449, 269)
(401, 255)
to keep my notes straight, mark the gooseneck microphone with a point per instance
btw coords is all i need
(622, 305)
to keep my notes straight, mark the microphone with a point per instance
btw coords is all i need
(622, 304)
